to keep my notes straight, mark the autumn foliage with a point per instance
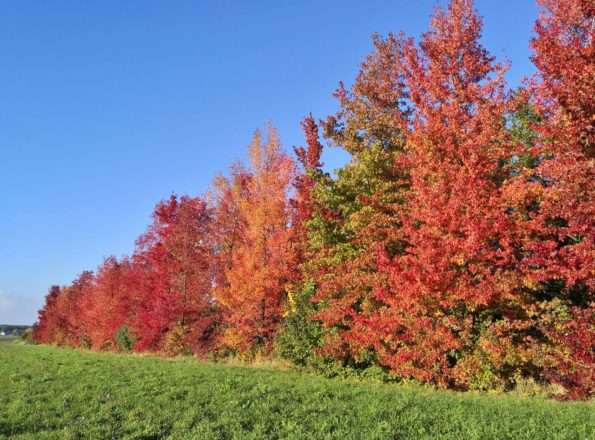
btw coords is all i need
(260, 263)
(455, 248)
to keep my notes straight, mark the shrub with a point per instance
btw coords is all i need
(27, 336)
(299, 336)
(176, 342)
(125, 339)
(85, 341)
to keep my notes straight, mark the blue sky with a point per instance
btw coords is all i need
(107, 107)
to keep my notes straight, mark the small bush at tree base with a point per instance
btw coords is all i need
(125, 339)
(27, 336)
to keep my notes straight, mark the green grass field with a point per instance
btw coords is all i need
(7, 339)
(49, 392)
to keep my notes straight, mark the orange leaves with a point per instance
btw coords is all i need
(258, 260)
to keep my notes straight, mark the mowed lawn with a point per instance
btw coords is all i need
(48, 392)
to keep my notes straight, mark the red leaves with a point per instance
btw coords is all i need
(303, 201)
(564, 54)
(166, 286)
(176, 270)
(60, 320)
(42, 330)
(572, 353)
(105, 306)
(448, 250)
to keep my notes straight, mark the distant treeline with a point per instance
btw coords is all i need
(14, 330)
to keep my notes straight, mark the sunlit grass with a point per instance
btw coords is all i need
(62, 393)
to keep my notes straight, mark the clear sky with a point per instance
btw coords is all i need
(107, 107)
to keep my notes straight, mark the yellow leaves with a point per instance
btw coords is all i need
(388, 339)
(459, 259)
(176, 342)
(292, 305)
(530, 283)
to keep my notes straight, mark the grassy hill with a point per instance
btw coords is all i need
(61, 393)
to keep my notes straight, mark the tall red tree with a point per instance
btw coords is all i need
(457, 265)
(60, 320)
(106, 306)
(42, 330)
(303, 202)
(176, 311)
(560, 227)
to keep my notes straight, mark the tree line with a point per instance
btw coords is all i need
(455, 248)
